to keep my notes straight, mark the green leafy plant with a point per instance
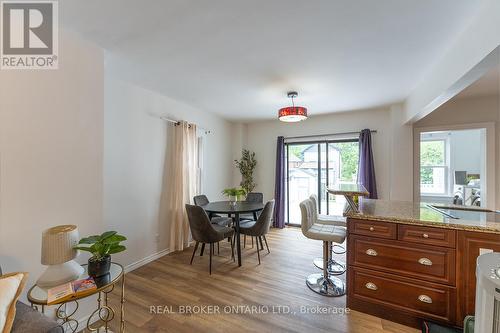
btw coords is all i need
(102, 245)
(247, 164)
(234, 192)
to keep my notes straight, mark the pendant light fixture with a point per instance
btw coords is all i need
(292, 113)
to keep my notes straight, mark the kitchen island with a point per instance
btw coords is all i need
(411, 261)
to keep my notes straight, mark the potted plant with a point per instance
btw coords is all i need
(234, 193)
(102, 247)
(246, 164)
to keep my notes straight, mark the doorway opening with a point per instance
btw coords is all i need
(453, 167)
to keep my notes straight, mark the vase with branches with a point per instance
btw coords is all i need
(246, 164)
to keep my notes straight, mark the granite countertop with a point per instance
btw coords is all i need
(406, 212)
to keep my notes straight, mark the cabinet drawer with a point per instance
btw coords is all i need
(372, 228)
(429, 263)
(427, 300)
(427, 235)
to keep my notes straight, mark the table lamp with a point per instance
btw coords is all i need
(58, 255)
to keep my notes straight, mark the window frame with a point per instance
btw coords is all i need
(444, 137)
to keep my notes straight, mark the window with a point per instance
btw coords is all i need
(314, 166)
(434, 166)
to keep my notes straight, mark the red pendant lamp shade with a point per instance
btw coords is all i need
(292, 113)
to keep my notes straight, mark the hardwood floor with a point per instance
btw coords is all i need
(170, 283)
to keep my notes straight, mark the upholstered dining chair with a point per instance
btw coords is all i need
(257, 197)
(206, 233)
(260, 228)
(202, 200)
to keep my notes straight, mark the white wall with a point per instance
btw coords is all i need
(261, 139)
(401, 157)
(466, 151)
(135, 144)
(51, 152)
(239, 135)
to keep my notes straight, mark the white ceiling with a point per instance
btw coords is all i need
(238, 58)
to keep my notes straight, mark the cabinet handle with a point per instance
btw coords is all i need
(372, 228)
(425, 261)
(425, 236)
(425, 299)
(371, 252)
(371, 286)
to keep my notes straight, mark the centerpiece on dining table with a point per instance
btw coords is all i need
(234, 194)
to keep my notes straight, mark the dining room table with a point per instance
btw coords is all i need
(235, 209)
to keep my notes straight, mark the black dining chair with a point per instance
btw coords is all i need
(206, 233)
(260, 228)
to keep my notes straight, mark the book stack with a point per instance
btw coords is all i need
(71, 290)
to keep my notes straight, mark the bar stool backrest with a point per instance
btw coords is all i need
(307, 210)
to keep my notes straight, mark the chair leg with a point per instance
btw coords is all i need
(202, 249)
(210, 264)
(194, 252)
(260, 241)
(232, 249)
(252, 242)
(218, 248)
(244, 241)
(258, 251)
(265, 240)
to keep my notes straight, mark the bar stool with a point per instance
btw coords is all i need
(324, 284)
(335, 267)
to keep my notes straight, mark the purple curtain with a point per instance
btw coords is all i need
(366, 167)
(279, 187)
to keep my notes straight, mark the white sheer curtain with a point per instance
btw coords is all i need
(183, 182)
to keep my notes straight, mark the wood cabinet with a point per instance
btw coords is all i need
(416, 297)
(374, 228)
(407, 273)
(431, 263)
(426, 235)
(469, 248)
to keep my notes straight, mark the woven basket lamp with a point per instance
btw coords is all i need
(58, 255)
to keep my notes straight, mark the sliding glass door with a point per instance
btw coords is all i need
(312, 167)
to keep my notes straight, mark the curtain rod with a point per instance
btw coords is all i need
(319, 135)
(177, 122)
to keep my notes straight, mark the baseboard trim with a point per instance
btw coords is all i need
(152, 257)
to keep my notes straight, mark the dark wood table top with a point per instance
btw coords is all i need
(226, 207)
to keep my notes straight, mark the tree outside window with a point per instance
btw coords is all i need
(433, 167)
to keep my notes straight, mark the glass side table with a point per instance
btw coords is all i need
(104, 313)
